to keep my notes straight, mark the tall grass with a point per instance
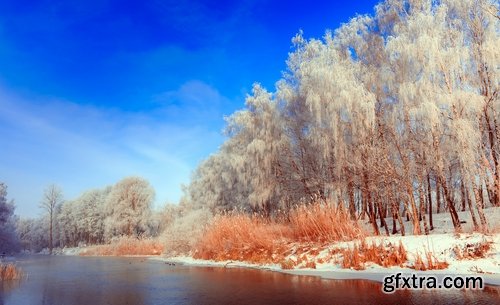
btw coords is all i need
(431, 262)
(323, 223)
(10, 272)
(257, 239)
(126, 246)
(380, 254)
(242, 237)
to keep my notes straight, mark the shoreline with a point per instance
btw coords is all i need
(440, 245)
(375, 274)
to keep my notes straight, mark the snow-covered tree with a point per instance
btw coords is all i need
(392, 113)
(91, 207)
(33, 233)
(8, 238)
(128, 207)
(52, 197)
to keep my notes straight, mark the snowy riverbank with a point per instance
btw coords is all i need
(464, 253)
(445, 247)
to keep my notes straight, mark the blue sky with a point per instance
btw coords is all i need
(93, 91)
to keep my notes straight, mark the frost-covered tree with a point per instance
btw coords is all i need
(33, 233)
(82, 220)
(8, 238)
(185, 231)
(330, 118)
(163, 218)
(256, 140)
(91, 208)
(128, 207)
(391, 114)
(215, 183)
(67, 219)
(52, 197)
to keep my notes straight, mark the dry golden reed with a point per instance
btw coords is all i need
(126, 246)
(323, 223)
(257, 239)
(473, 250)
(380, 254)
(431, 263)
(10, 272)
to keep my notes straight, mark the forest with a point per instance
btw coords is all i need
(393, 115)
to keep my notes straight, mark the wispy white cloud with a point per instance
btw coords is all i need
(80, 146)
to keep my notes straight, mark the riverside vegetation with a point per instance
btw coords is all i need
(376, 129)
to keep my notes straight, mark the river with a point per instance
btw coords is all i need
(109, 280)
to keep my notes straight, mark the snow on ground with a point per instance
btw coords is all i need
(441, 245)
(64, 251)
(441, 242)
(443, 224)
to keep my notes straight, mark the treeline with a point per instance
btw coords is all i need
(96, 217)
(395, 114)
(116, 215)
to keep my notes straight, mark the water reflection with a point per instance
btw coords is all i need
(86, 280)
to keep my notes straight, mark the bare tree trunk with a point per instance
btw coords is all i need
(381, 214)
(451, 192)
(414, 211)
(438, 196)
(451, 206)
(464, 200)
(395, 210)
(51, 198)
(51, 217)
(429, 198)
(496, 200)
(494, 156)
(352, 208)
(364, 206)
(373, 215)
(422, 207)
(479, 207)
(481, 195)
(401, 223)
(472, 214)
(369, 202)
(490, 192)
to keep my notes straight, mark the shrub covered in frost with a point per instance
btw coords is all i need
(181, 236)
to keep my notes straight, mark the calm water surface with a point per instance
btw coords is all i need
(120, 281)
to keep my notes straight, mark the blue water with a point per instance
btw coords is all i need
(90, 280)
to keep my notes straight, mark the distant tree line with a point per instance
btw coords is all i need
(95, 217)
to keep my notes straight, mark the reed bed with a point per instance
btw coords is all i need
(257, 239)
(385, 255)
(126, 246)
(10, 272)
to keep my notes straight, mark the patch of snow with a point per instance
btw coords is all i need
(64, 251)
